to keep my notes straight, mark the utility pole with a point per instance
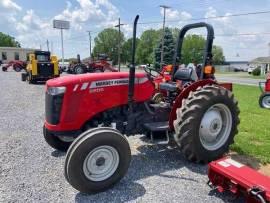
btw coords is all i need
(163, 34)
(40, 47)
(52, 47)
(47, 42)
(90, 43)
(119, 43)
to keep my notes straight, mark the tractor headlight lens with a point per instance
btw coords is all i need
(56, 90)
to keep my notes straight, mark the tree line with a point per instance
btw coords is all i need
(149, 47)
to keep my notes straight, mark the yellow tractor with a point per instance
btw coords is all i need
(41, 67)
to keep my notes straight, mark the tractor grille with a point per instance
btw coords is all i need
(53, 106)
(45, 69)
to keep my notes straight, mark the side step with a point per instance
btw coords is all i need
(158, 127)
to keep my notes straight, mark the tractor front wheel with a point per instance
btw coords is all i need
(97, 160)
(264, 100)
(206, 123)
(55, 142)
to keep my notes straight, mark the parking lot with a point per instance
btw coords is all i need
(31, 171)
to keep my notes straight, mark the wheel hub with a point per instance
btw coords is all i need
(101, 163)
(211, 125)
(215, 126)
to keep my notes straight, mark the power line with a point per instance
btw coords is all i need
(214, 17)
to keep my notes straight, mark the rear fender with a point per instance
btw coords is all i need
(184, 94)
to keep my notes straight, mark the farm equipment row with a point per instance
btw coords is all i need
(17, 65)
(99, 65)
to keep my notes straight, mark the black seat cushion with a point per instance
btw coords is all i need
(184, 74)
(168, 86)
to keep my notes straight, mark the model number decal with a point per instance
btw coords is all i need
(96, 90)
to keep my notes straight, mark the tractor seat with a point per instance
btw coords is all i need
(168, 86)
(185, 74)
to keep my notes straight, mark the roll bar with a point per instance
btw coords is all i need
(207, 60)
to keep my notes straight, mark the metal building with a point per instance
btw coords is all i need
(14, 53)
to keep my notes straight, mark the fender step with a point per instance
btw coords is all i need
(158, 127)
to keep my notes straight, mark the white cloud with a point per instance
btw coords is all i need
(11, 5)
(100, 12)
(176, 15)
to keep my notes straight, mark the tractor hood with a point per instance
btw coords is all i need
(70, 80)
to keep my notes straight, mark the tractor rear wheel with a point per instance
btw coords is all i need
(264, 100)
(79, 69)
(17, 68)
(206, 123)
(97, 160)
(56, 142)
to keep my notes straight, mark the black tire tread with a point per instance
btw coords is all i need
(187, 114)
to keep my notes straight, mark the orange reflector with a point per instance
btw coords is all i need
(209, 70)
(168, 68)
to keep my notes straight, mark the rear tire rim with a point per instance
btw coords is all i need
(215, 127)
(266, 101)
(17, 69)
(79, 70)
(101, 163)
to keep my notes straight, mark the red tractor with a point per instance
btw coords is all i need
(100, 65)
(92, 115)
(264, 100)
(16, 64)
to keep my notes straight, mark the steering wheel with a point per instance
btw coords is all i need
(149, 71)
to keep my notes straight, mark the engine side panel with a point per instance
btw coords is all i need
(90, 94)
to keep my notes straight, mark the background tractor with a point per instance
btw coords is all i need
(41, 67)
(100, 110)
(264, 100)
(16, 64)
(99, 65)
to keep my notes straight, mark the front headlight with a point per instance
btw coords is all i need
(56, 90)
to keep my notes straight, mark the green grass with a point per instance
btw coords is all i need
(253, 138)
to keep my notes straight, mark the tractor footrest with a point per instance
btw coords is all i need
(158, 127)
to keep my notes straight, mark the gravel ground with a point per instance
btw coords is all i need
(31, 171)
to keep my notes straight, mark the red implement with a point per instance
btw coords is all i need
(228, 175)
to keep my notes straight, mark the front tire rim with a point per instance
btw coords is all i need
(266, 101)
(215, 127)
(101, 163)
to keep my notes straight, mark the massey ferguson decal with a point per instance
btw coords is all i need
(115, 82)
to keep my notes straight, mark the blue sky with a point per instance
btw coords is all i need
(30, 21)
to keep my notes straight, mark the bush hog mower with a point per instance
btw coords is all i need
(16, 64)
(228, 175)
(100, 65)
(41, 67)
(264, 100)
(101, 109)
